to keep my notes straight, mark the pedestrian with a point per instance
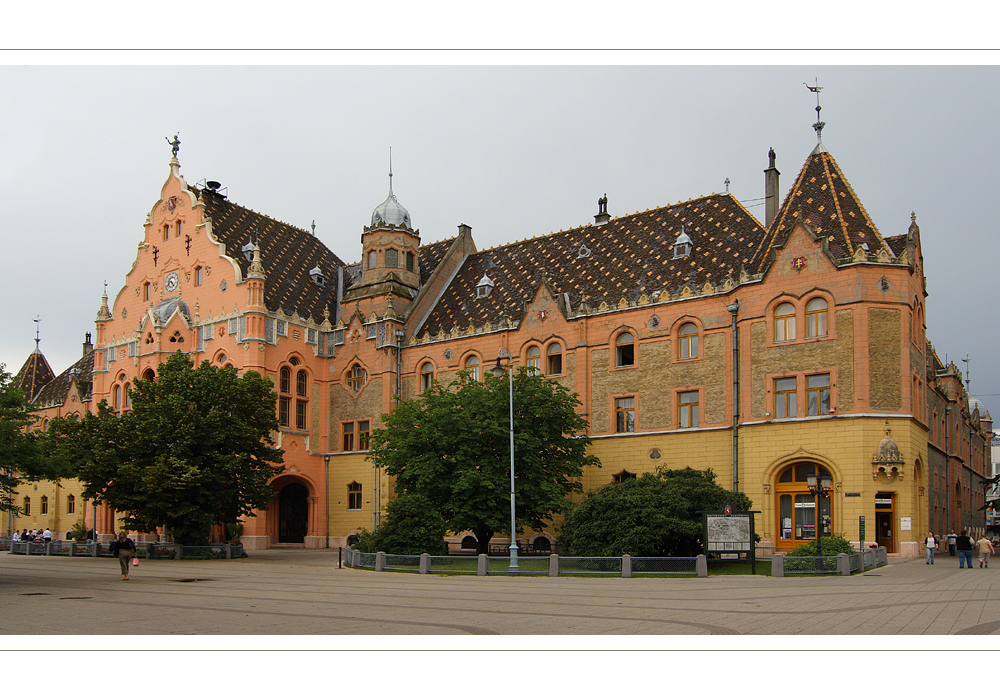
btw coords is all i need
(46, 535)
(985, 550)
(964, 545)
(952, 539)
(24, 536)
(930, 542)
(16, 537)
(125, 549)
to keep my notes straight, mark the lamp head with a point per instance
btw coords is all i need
(497, 370)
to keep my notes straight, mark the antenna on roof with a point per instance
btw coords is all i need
(968, 378)
(818, 126)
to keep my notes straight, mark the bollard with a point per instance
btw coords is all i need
(844, 564)
(701, 566)
(229, 551)
(93, 552)
(178, 551)
(627, 566)
(777, 565)
(340, 557)
(425, 563)
(482, 565)
(48, 548)
(553, 565)
(379, 561)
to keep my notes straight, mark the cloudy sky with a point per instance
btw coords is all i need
(514, 151)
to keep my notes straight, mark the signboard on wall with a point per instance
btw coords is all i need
(904, 524)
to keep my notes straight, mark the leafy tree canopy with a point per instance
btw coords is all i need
(194, 450)
(21, 456)
(451, 445)
(656, 515)
(411, 526)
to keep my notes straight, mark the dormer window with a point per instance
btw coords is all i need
(317, 276)
(484, 287)
(682, 246)
(248, 251)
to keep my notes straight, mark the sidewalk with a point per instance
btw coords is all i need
(303, 592)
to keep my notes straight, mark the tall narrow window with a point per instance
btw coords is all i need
(391, 258)
(145, 291)
(534, 359)
(687, 409)
(818, 394)
(179, 229)
(348, 433)
(816, 326)
(784, 398)
(117, 397)
(356, 378)
(45, 505)
(625, 350)
(625, 415)
(284, 400)
(687, 341)
(472, 367)
(128, 396)
(371, 259)
(409, 262)
(426, 376)
(555, 363)
(364, 434)
(784, 323)
(71, 504)
(27, 506)
(197, 276)
(354, 496)
(166, 232)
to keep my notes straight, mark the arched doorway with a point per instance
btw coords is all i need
(293, 513)
(799, 511)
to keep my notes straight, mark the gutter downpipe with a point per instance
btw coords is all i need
(947, 461)
(734, 309)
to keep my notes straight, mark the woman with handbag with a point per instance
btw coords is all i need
(125, 548)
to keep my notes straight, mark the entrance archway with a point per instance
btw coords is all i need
(293, 513)
(799, 511)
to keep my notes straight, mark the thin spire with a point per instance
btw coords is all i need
(818, 126)
(38, 337)
(390, 169)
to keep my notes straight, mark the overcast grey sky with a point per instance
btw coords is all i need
(512, 151)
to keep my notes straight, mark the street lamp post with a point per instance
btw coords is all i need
(819, 486)
(498, 372)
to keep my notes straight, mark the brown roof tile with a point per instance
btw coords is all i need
(56, 390)
(33, 375)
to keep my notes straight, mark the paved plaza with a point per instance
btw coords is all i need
(302, 592)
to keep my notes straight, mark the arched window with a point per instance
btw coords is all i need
(145, 291)
(117, 397)
(356, 378)
(816, 318)
(622, 476)
(426, 376)
(784, 323)
(166, 232)
(45, 505)
(301, 399)
(798, 509)
(371, 259)
(472, 367)
(469, 542)
(534, 363)
(625, 350)
(555, 361)
(198, 276)
(149, 375)
(687, 342)
(27, 506)
(71, 504)
(284, 397)
(128, 396)
(391, 258)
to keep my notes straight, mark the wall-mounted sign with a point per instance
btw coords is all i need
(904, 523)
(852, 494)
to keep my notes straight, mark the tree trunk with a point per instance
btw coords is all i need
(483, 537)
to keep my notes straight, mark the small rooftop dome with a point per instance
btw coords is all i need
(391, 212)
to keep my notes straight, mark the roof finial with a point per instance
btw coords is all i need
(727, 185)
(818, 126)
(390, 169)
(38, 338)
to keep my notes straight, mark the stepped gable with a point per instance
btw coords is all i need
(624, 258)
(34, 374)
(55, 391)
(287, 253)
(824, 199)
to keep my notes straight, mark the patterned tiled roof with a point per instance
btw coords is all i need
(430, 257)
(33, 375)
(288, 254)
(624, 258)
(824, 199)
(56, 390)
(896, 244)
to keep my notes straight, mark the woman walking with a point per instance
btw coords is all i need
(125, 548)
(931, 543)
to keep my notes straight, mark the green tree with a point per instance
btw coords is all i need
(411, 526)
(194, 450)
(451, 445)
(21, 456)
(656, 515)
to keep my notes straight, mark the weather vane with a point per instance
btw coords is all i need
(818, 126)
(176, 143)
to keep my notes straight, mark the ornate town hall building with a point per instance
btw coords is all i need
(695, 336)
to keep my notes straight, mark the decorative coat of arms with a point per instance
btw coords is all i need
(798, 264)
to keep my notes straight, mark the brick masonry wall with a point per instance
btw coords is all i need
(884, 360)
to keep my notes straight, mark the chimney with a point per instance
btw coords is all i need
(464, 230)
(603, 216)
(770, 190)
(88, 346)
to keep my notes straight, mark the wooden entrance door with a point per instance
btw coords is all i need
(293, 513)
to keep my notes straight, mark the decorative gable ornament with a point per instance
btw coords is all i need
(798, 264)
